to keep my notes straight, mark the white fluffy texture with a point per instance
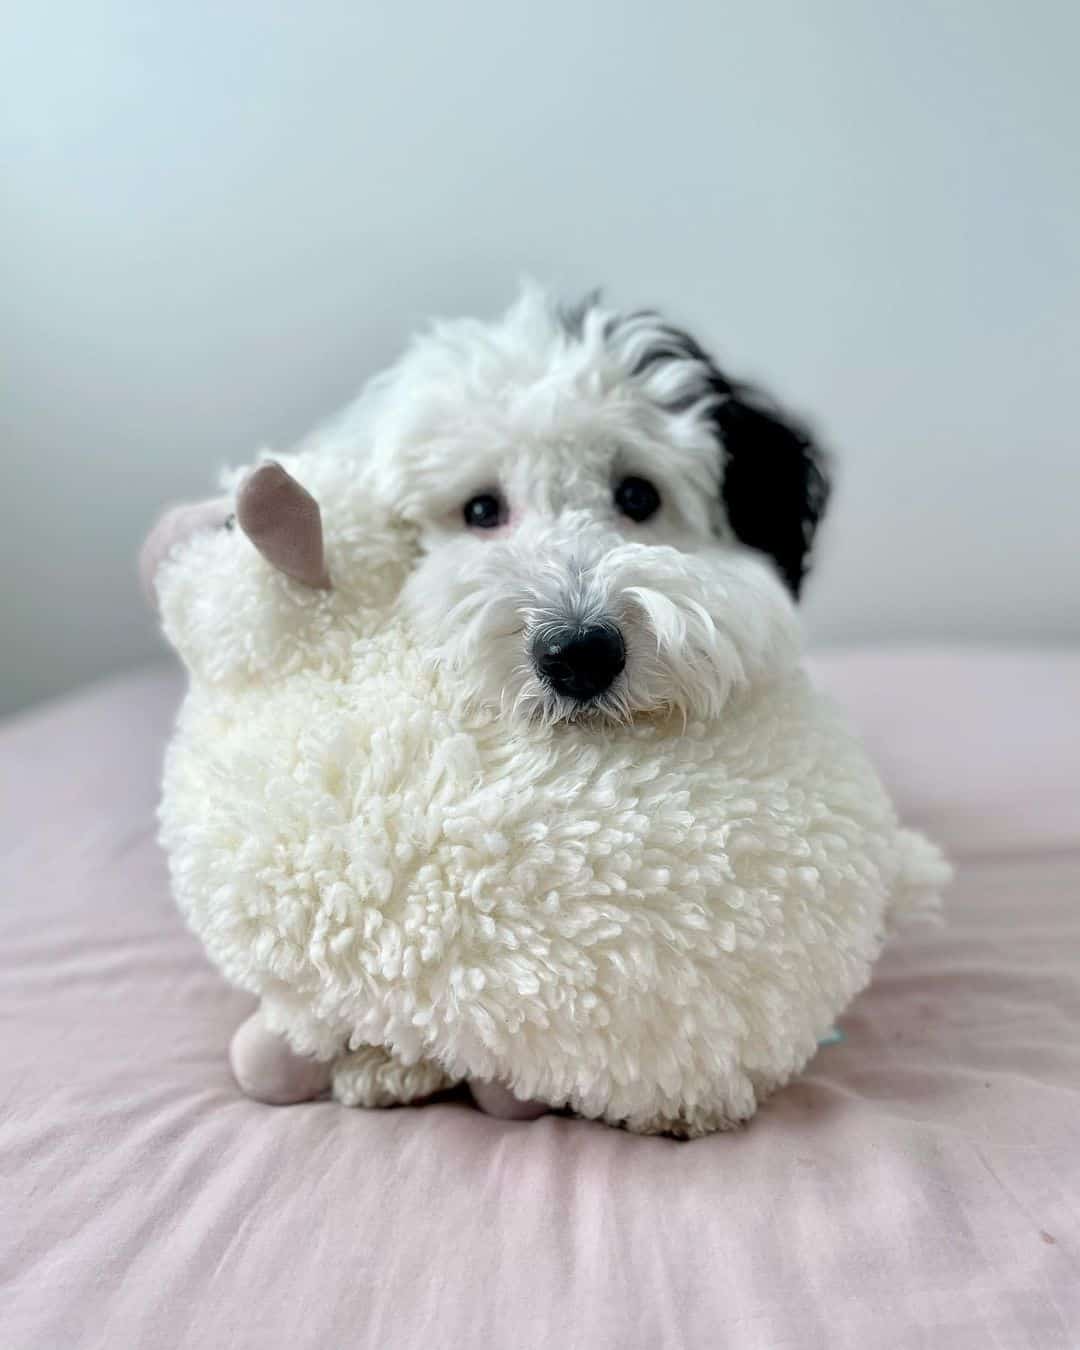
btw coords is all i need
(551, 419)
(650, 925)
(236, 622)
(372, 1076)
(650, 917)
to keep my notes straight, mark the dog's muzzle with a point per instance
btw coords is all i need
(579, 662)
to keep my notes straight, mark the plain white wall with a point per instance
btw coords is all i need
(218, 218)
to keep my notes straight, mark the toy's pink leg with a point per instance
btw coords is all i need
(268, 1069)
(496, 1100)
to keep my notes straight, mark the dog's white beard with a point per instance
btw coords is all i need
(696, 626)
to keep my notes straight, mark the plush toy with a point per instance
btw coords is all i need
(649, 919)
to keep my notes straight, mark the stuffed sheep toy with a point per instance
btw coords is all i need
(497, 764)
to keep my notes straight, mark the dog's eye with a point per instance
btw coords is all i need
(483, 512)
(637, 498)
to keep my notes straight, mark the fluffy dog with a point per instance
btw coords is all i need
(504, 770)
(610, 525)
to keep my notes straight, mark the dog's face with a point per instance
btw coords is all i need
(608, 526)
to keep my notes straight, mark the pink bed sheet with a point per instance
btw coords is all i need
(920, 1187)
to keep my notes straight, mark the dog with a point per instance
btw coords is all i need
(610, 524)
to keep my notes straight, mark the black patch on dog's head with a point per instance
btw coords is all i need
(775, 484)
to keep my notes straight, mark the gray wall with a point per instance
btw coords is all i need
(217, 218)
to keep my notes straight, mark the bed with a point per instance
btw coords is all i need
(919, 1186)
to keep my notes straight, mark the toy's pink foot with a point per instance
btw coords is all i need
(268, 1069)
(496, 1100)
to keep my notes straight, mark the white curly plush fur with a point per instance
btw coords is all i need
(652, 923)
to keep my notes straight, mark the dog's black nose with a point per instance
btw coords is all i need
(579, 662)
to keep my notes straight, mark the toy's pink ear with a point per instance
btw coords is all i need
(284, 523)
(176, 525)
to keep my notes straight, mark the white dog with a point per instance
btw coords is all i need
(610, 525)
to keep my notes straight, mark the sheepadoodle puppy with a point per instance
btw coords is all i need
(610, 524)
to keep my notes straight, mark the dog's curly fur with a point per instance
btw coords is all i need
(646, 905)
(549, 411)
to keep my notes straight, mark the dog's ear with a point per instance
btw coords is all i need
(775, 481)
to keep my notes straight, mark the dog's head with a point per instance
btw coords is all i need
(609, 524)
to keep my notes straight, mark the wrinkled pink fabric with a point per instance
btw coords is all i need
(919, 1187)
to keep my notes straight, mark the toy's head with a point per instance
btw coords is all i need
(577, 513)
